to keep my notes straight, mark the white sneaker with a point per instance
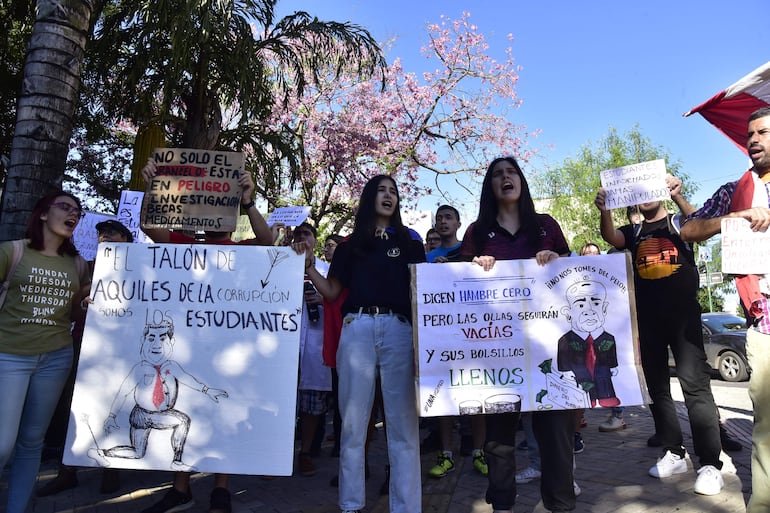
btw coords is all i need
(668, 465)
(613, 423)
(709, 481)
(577, 489)
(527, 475)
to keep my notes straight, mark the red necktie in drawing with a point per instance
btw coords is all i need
(590, 355)
(157, 392)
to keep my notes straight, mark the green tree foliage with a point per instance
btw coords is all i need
(180, 60)
(567, 191)
(16, 19)
(45, 109)
(721, 292)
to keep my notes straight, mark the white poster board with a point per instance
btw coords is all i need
(635, 184)
(744, 251)
(503, 340)
(290, 216)
(85, 237)
(129, 209)
(194, 190)
(236, 313)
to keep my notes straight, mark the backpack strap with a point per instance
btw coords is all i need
(18, 252)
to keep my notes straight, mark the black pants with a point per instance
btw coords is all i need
(554, 431)
(683, 332)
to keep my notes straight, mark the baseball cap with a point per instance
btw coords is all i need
(115, 226)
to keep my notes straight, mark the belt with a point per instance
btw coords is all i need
(375, 310)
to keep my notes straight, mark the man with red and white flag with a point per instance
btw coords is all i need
(748, 198)
(729, 110)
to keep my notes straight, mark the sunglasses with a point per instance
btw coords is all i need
(68, 209)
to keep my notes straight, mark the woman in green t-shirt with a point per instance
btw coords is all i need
(35, 340)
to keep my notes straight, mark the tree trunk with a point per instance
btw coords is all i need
(45, 110)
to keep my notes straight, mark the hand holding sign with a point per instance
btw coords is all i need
(635, 184)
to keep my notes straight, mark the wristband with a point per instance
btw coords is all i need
(248, 205)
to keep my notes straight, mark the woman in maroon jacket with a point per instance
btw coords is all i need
(508, 228)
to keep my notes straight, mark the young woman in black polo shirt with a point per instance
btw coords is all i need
(508, 228)
(376, 338)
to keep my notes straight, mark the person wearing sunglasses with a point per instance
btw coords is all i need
(45, 278)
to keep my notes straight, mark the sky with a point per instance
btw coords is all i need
(594, 64)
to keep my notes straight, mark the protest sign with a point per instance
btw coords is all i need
(290, 216)
(635, 184)
(514, 338)
(194, 190)
(224, 321)
(744, 251)
(243, 230)
(129, 209)
(85, 236)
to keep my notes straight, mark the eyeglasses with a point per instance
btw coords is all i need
(434, 239)
(68, 209)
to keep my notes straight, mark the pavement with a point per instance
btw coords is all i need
(612, 473)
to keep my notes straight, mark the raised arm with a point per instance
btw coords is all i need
(330, 288)
(159, 235)
(675, 187)
(606, 224)
(258, 224)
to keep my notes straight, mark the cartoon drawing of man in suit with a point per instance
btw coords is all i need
(587, 350)
(154, 383)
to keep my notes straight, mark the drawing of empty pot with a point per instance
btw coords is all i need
(471, 407)
(502, 403)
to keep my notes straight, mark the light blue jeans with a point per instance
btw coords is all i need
(370, 344)
(31, 386)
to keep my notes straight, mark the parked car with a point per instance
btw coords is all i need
(724, 338)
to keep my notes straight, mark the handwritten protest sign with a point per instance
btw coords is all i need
(635, 184)
(194, 190)
(744, 251)
(290, 216)
(129, 209)
(85, 237)
(514, 338)
(224, 322)
(243, 229)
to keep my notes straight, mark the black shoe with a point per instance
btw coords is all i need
(654, 441)
(579, 443)
(729, 444)
(385, 488)
(220, 501)
(172, 502)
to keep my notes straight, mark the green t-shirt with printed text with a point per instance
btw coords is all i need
(35, 317)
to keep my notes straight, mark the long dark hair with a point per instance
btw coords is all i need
(488, 210)
(35, 225)
(362, 238)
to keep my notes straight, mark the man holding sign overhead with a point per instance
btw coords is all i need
(668, 313)
(179, 496)
(747, 199)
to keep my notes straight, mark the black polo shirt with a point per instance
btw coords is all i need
(381, 276)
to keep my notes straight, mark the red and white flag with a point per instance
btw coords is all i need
(730, 109)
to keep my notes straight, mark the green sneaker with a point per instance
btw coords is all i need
(444, 466)
(480, 464)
